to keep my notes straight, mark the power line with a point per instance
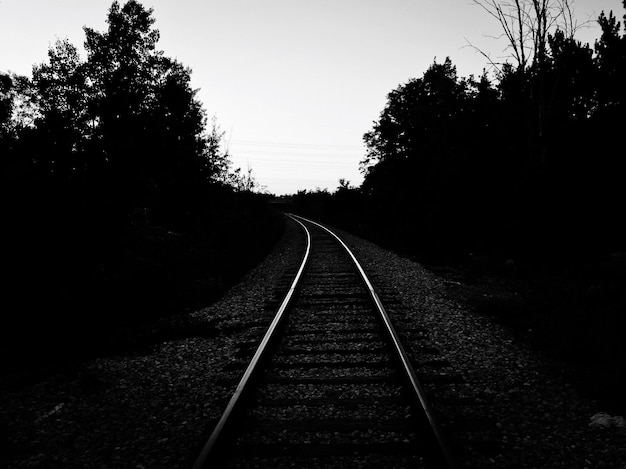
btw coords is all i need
(301, 146)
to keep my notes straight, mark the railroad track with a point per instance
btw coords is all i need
(330, 384)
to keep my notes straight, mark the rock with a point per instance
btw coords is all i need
(604, 420)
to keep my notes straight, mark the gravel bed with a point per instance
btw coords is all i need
(379, 410)
(328, 372)
(331, 391)
(538, 419)
(150, 410)
(349, 436)
(333, 338)
(330, 358)
(369, 462)
(332, 317)
(324, 328)
(342, 348)
(156, 408)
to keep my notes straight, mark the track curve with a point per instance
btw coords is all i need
(330, 384)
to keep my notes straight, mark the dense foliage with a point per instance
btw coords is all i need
(516, 182)
(117, 203)
(525, 167)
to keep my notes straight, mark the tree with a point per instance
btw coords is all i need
(243, 182)
(531, 27)
(6, 112)
(149, 127)
(6, 106)
(62, 82)
(216, 161)
(526, 25)
(425, 167)
(416, 117)
(20, 102)
(607, 123)
(63, 126)
(122, 65)
(112, 188)
(571, 75)
(611, 62)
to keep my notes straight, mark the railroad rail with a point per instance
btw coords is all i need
(330, 384)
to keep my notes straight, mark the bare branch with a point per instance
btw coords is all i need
(495, 65)
(526, 25)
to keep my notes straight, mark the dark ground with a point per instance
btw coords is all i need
(576, 319)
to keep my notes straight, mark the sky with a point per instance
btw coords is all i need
(294, 84)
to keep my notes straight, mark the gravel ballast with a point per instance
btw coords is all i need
(538, 419)
(155, 409)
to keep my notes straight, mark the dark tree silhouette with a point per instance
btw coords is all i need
(521, 177)
(128, 76)
(415, 115)
(513, 167)
(62, 127)
(6, 111)
(608, 121)
(115, 198)
(430, 154)
(611, 62)
(6, 101)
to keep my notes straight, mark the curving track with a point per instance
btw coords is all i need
(330, 384)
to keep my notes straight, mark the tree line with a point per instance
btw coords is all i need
(118, 199)
(526, 164)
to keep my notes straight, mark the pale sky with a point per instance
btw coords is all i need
(294, 83)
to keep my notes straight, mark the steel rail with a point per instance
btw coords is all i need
(235, 401)
(401, 354)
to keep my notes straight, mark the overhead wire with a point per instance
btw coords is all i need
(288, 164)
